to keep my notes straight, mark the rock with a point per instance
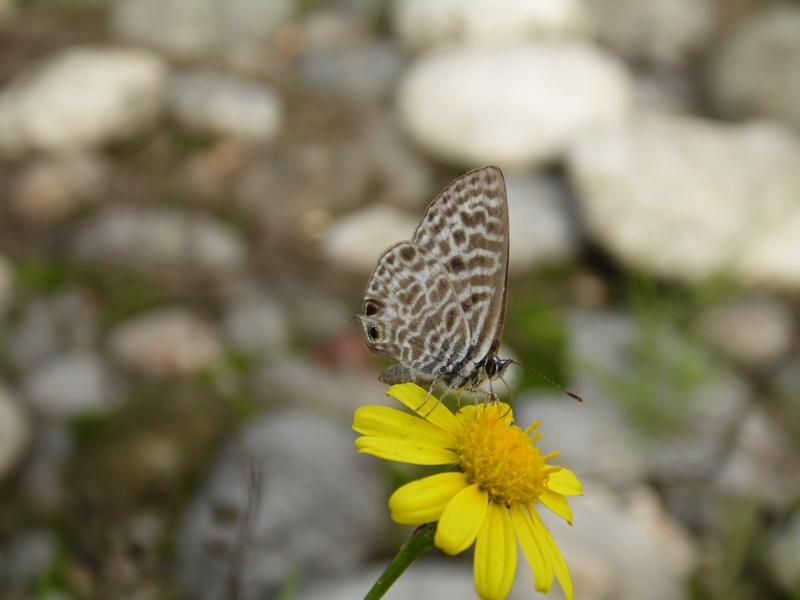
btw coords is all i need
(15, 432)
(256, 323)
(170, 341)
(754, 70)
(661, 31)
(783, 554)
(422, 23)
(239, 30)
(355, 241)
(6, 284)
(365, 73)
(71, 385)
(579, 431)
(226, 105)
(541, 230)
(43, 481)
(29, 554)
(668, 88)
(53, 188)
(151, 237)
(755, 331)
(282, 497)
(736, 214)
(517, 107)
(82, 97)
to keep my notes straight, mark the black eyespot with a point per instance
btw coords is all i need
(372, 333)
(370, 308)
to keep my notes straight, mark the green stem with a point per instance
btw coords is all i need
(420, 541)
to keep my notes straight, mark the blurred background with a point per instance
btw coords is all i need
(194, 192)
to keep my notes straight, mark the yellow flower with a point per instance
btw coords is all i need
(490, 499)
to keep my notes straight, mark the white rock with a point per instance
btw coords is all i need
(286, 494)
(516, 107)
(149, 237)
(355, 241)
(540, 228)
(226, 105)
(55, 187)
(755, 331)
(80, 98)
(421, 23)
(754, 71)
(254, 322)
(237, 29)
(169, 341)
(72, 385)
(15, 432)
(684, 198)
(660, 31)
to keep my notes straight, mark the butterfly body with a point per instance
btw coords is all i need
(436, 304)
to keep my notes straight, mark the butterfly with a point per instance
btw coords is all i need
(436, 304)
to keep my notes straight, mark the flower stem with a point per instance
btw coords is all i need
(420, 541)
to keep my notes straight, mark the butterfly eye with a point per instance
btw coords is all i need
(373, 333)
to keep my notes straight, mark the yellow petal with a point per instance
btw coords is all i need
(382, 421)
(422, 402)
(532, 549)
(565, 482)
(423, 501)
(404, 451)
(557, 503)
(495, 555)
(553, 553)
(461, 520)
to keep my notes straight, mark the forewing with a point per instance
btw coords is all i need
(412, 313)
(466, 229)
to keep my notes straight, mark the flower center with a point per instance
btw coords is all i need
(502, 458)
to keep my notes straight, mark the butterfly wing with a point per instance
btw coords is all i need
(466, 229)
(412, 315)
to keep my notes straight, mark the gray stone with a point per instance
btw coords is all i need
(226, 105)
(783, 554)
(422, 23)
(43, 483)
(72, 385)
(52, 188)
(541, 230)
(169, 341)
(754, 71)
(28, 554)
(658, 31)
(755, 331)
(81, 98)
(737, 212)
(149, 237)
(517, 107)
(239, 30)
(288, 494)
(15, 432)
(256, 323)
(364, 73)
(355, 241)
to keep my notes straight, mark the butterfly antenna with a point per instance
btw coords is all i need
(551, 382)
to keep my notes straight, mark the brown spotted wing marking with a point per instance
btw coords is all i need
(436, 305)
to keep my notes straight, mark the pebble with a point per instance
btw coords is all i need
(754, 70)
(226, 105)
(311, 492)
(755, 331)
(656, 32)
(423, 23)
(52, 188)
(15, 432)
(150, 237)
(165, 342)
(256, 323)
(28, 554)
(517, 107)
(783, 554)
(355, 241)
(541, 230)
(80, 98)
(43, 483)
(238, 30)
(71, 385)
(736, 213)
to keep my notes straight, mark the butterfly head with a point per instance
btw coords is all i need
(495, 366)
